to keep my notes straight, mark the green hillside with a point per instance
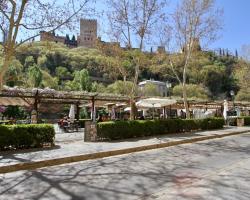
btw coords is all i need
(48, 64)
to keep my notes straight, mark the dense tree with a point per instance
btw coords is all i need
(14, 74)
(29, 61)
(81, 81)
(193, 91)
(213, 78)
(62, 72)
(49, 81)
(121, 87)
(242, 76)
(35, 76)
(98, 87)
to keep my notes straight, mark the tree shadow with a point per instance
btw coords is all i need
(136, 176)
(23, 151)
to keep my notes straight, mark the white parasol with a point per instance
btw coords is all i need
(155, 103)
(72, 112)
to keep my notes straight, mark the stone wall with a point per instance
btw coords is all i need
(90, 131)
(47, 36)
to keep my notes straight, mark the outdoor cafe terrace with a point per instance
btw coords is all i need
(33, 97)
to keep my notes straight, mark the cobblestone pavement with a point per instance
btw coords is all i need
(212, 169)
(72, 144)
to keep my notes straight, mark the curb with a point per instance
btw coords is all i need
(91, 156)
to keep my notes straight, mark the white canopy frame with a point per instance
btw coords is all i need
(155, 103)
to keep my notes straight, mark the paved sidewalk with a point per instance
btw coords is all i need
(75, 148)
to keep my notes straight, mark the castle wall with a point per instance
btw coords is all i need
(47, 36)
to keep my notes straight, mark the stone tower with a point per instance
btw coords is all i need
(88, 33)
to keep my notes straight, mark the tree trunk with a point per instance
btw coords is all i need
(184, 86)
(133, 111)
(185, 100)
(3, 70)
(184, 90)
(133, 108)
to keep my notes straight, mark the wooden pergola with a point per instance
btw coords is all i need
(34, 97)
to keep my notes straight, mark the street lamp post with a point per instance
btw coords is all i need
(232, 95)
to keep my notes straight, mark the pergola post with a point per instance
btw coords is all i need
(221, 110)
(77, 111)
(164, 112)
(93, 109)
(34, 113)
(170, 111)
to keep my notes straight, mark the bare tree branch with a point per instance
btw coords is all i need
(174, 71)
(194, 21)
(57, 27)
(33, 16)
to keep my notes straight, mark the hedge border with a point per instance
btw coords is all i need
(14, 137)
(117, 130)
(247, 121)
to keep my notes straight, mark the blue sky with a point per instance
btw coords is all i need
(236, 29)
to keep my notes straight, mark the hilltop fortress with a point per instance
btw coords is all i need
(87, 38)
(88, 33)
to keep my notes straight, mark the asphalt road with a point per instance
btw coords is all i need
(214, 169)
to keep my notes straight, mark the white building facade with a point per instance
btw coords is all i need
(160, 86)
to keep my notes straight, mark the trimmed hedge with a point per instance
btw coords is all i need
(26, 136)
(247, 121)
(131, 129)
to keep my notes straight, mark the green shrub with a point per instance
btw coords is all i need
(131, 129)
(5, 137)
(193, 91)
(26, 136)
(247, 121)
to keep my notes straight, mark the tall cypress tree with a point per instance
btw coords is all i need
(220, 52)
(236, 54)
(67, 38)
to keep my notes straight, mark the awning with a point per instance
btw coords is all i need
(155, 103)
(14, 101)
